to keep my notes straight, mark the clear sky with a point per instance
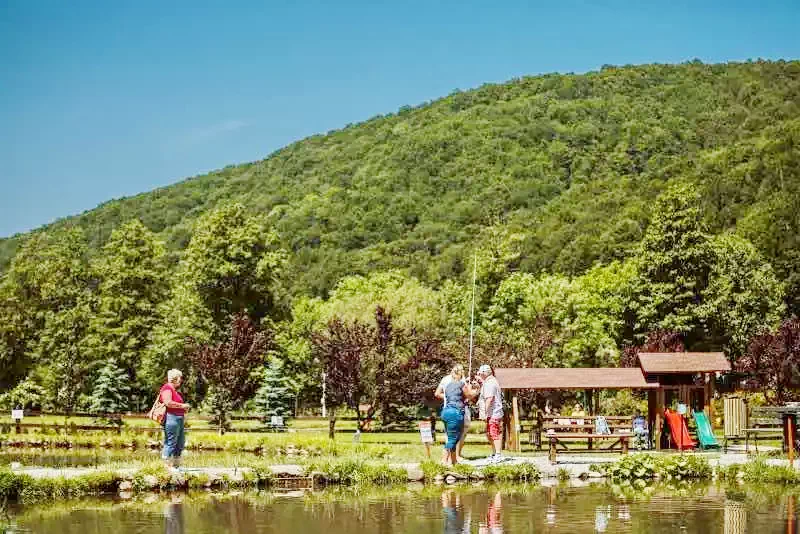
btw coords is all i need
(105, 99)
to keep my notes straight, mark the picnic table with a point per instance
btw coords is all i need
(561, 430)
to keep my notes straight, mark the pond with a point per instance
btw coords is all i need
(421, 510)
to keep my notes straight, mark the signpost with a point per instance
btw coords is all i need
(426, 434)
(17, 416)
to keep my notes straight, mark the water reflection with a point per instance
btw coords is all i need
(173, 518)
(456, 519)
(493, 523)
(691, 509)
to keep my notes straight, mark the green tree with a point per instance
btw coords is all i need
(744, 297)
(132, 273)
(111, 392)
(48, 277)
(232, 266)
(674, 261)
(275, 394)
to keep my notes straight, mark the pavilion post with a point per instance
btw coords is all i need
(590, 402)
(516, 444)
(708, 395)
(659, 417)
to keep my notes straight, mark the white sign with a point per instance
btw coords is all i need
(277, 420)
(425, 432)
(16, 414)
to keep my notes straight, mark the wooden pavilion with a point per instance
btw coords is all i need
(668, 377)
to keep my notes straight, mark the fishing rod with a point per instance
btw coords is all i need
(472, 317)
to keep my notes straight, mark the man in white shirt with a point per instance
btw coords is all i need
(446, 379)
(492, 398)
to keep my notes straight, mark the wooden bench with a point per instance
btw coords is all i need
(762, 424)
(558, 439)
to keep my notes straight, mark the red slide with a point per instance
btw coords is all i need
(680, 434)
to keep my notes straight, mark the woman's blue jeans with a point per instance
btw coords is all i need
(174, 436)
(454, 422)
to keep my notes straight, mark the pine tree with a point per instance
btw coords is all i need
(111, 390)
(274, 396)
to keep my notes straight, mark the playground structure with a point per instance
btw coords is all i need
(680, 380)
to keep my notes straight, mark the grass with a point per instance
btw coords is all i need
(299, 448)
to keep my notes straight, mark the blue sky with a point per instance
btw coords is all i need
(105, 99)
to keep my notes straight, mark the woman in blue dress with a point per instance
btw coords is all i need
(455, 396)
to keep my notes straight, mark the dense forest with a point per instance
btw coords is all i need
(604, 210)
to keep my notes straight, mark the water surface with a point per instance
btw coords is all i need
(422, 510)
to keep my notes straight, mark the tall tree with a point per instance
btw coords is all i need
(132, 273)
(674, 264)
(48, 276)
(743, 297)
(232, 265)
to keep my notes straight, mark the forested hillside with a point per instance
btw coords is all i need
(653, 207)
(562, 169)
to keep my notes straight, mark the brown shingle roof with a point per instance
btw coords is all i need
(573, 378)
(683, 362)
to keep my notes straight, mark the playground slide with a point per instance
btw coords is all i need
(705, 434)
(680, 433)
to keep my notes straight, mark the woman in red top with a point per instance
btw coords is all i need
(174, 436)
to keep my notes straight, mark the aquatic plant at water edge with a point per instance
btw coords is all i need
(647, 466)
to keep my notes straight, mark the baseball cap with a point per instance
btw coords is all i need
(485, 369)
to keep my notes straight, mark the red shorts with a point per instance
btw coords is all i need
(494, 428)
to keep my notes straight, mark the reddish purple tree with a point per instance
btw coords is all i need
(342, 349)
(228, 366)
(657, 341)
(772, 362)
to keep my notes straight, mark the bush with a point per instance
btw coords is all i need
(647, 466)
(353, 472)
(760, 471)
(512, 473)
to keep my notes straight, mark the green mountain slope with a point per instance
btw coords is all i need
(561, 169)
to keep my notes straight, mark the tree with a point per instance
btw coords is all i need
(111, 390)
(743, 297)
(656, 341)
(274, 395)
(673, 264)
(342, 348)
(61, 350)
(132, 273)
(229, 367)
(772, 362)
(231, 266)
(48, 277)
(51, 283)
(26, 395)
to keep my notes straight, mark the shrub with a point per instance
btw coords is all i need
(647, 466)
(760, 471)
(356, 471)
(512, 473)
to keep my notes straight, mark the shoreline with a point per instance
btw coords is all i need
(47, 482)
